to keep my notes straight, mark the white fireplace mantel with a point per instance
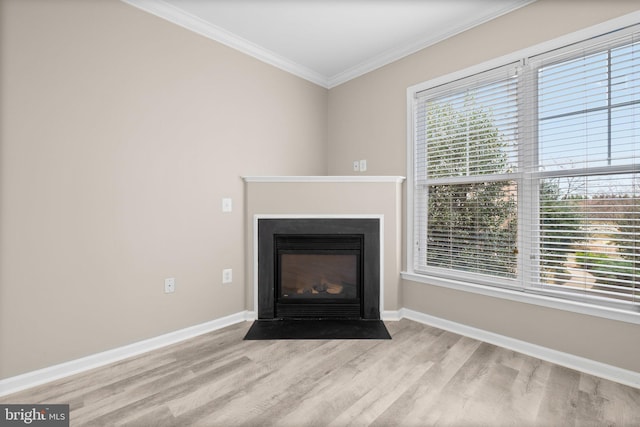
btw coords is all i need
(357, 196)
(323, 178)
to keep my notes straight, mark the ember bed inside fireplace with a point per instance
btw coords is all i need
(319, 268)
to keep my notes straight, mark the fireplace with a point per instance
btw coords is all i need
(318, 268)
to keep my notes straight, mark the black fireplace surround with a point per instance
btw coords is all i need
(316, 268)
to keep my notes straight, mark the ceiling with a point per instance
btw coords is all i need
(328, 42)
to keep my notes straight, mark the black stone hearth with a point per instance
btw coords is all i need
(312, 329)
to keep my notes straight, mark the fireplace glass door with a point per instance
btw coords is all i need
(318, 276)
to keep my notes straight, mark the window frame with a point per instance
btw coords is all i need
(527, 179)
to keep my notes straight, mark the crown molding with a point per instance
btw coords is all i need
(179, 17)
(395, 54)
(190, 22)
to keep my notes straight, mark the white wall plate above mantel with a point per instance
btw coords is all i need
(335, 178)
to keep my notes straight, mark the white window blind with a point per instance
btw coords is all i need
(588, 162)
(466, 155)
(528, 176)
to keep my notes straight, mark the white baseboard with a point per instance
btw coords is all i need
(599, 369)
(45, 375)
(391, 315)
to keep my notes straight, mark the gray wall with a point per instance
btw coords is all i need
(121, 133)
(367, 120)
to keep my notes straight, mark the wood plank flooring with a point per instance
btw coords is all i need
(422, 377)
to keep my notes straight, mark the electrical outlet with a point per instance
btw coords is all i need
(363, 165)
(169, 285)
(227, 275)
(356, 166)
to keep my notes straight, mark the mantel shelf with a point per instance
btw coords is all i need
(328, 178)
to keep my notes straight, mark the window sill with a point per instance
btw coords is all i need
(527, 298)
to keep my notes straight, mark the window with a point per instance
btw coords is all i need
(527, 176)
(465, 182)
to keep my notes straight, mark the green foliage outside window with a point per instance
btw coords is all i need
(471, 226)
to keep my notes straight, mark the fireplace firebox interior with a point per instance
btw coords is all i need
(318, 276)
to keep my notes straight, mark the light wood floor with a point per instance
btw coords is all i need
(423, 377)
